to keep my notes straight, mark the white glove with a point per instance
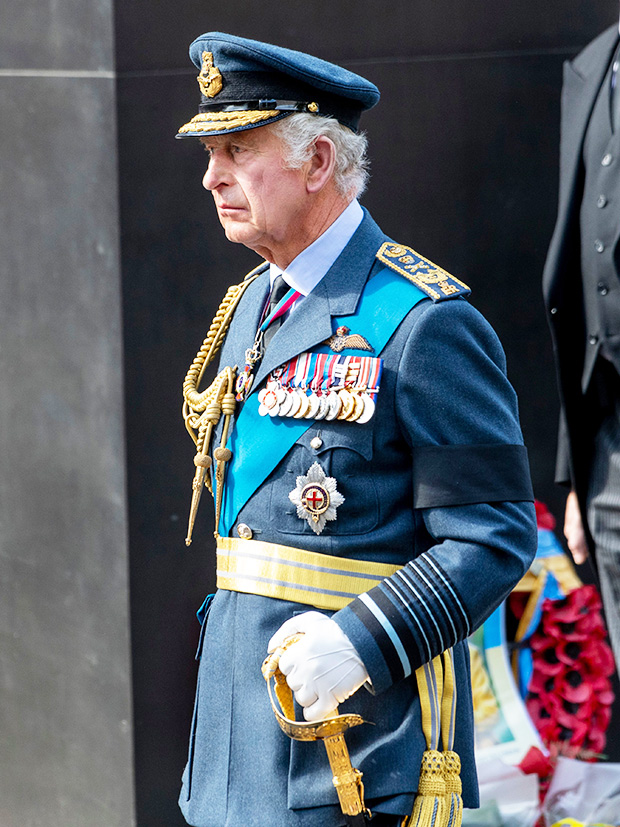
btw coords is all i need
(323, 668)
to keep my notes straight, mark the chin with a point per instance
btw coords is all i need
(240, 235)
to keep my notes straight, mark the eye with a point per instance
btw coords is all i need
(235, 149)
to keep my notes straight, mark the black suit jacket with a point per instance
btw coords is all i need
(562, 287)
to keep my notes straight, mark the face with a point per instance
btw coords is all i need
(259, 202)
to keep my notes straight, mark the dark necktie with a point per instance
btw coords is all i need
(279, 289)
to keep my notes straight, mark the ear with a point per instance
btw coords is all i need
(321, 165)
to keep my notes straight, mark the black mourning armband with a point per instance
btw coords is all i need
(465, 474)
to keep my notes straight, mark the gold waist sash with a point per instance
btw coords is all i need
(287, 573)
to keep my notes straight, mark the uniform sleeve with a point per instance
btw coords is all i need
(458, 413)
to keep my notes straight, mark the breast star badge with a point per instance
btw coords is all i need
(316, 498)
(344, 339)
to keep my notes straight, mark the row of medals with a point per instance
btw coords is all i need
(350, 404)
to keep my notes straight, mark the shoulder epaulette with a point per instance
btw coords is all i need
(427, 276)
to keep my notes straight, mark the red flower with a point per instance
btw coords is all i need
(572, 687)
(544, 518)
(570, 652)
(598, 658)
(546, 661)
(602, 690)
(537, 763)
(575, 618)
(601, 719)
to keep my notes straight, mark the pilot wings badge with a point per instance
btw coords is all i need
(343, 339)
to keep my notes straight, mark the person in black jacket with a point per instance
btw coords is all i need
(582, 296)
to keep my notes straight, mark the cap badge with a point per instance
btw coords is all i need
(341, 340)
(316, 498)
(210, 77)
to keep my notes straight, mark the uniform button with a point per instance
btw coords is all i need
(601, 201)
(244, 531)
(593, 339)
(602, 288)
(316, 443)
(553, 311)
(599, 246)
(607, 159)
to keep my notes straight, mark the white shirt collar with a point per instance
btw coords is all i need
(307, 270)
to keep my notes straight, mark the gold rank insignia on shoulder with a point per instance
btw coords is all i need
(210, 77)
(428, 277)
(343, 339)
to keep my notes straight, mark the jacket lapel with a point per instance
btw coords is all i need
(582, 81)
(245, 322)
(337, 294)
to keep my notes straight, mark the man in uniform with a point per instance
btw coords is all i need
(371, 485)
(582, 296)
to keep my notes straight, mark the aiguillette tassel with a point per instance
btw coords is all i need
(451, 760)
(430, 801)
(429, 805)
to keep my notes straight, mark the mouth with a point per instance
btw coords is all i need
(229, 208)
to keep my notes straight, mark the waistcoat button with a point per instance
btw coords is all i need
(602, 288)
(244, 531)
(593, 339)
(601, 201)
(599, 246)
(607, 159)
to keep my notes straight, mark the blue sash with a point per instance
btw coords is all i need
(259, 443)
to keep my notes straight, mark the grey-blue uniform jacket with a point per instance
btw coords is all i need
(435, 482)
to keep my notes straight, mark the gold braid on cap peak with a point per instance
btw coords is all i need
(202, 409)
(235, 119)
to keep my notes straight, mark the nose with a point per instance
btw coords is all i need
(216, 174)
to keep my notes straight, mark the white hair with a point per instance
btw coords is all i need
(299, 133)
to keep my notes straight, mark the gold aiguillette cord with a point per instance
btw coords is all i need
(202, 409)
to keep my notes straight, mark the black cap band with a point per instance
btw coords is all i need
(281, 92)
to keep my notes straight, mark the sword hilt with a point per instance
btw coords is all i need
(346, 778)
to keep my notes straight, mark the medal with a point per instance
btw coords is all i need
(358, 408)
(323, 407)
(333, 405)
(268, 399)
(313, 406)
(347, 404)
(287, 404)
(304, 404)
(316, 498)
(321, 386)
(295, 404)
(369, 409)
(254, 354)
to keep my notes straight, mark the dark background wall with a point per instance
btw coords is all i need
(464, 148)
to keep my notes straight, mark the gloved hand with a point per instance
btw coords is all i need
(323, 668)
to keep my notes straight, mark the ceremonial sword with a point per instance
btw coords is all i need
(346, 778)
